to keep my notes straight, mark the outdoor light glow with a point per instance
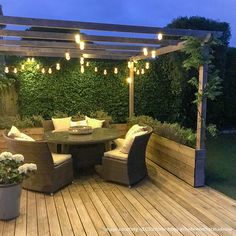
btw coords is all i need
(138, 72)
(142, 71)
(43, 70)
(87, 63)
(160, 36)
(153, 54)
(28, 59)
(50, 71)
(81, 45)
(96, 69)
(129, 64)
(147, 65)
(85, 55)
(135, 69)
(145, 51)
(67, 55)
(129, 80)
(32, 59)
(58, 67)
(15, 70)
(22, 67)
(77, 38)
(37, 66)
(105, 72)
(116, 70)
(6, 70)
(81, 60)
(82, 69)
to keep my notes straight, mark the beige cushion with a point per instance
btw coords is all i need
(94, 123)
(61, 123)
(16, 134)
(116, 154)
(60, 158)
(129, 141)
(119, 142)
(78, 123)
(134, 129)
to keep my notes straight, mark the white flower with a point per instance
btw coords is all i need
(18, 158)
(6, 156)
(24, 169)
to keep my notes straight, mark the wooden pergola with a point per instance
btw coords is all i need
(101, 45)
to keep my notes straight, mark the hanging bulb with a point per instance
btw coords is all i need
(6, 70)
(15, 70)
(43, 70)
(81, 45)
(153, 54)
(82, 69)
(22, 67)
(28, 59)
(96, 69)
(142, 71)
(129, 80)
(135, 69)
(67, 55)
(32, 59)
(138, 72)
(145, 51)
(77, 38)
(81, 60)
(147, 65)
(87, 63)
(116, 70)
(50, 71)
(160, 36)
(105, 72)
(37, 66)
(58, 66)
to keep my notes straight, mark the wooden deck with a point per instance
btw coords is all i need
(159, 205)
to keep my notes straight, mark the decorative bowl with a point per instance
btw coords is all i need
(80, 130)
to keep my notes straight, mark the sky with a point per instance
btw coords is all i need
(132, 12)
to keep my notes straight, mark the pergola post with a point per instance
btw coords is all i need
(131, 89)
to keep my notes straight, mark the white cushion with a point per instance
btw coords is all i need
(78, 123)
(61, 123)
(119, 142)
(117, 154)
(16, 134)
(60, 158)
(134, 129)
(129, 141)
(94, 123)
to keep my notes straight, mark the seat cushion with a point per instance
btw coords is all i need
(116, 154)
(94, 123)
(119, 142)
(60, 158)
(61, 123)
(134, 129)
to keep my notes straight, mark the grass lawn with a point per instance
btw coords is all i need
(221, 164)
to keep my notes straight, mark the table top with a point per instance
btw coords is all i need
(99, 135)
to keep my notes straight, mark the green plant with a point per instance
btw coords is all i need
(12, 169)
(59, 114)
(171, 131)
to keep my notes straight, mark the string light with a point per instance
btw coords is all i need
(87, 63)
(145, 51)
(147, 65)
(6, 70)
(38, 66)
(142, 71)
(22, 67)
(43, 70)
(81, 60)
(129, 64)
(32, 59)
(28, 59)
(105, 72)
(160, 36)
(129, 80)
(58, 66)
(15, 70)
(138, 72)
(135, 69)
(81, 45)
(50, 71)
(67, 55)
(77, 38)
(82, 69)
(153, 54)
(116, 70)
(96, 69)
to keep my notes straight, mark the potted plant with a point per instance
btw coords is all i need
(12, 172)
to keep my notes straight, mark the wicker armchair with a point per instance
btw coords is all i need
(49, 176)
(129, 168)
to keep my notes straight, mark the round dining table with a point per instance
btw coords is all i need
(86, 149)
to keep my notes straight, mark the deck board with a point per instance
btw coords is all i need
(160, 205)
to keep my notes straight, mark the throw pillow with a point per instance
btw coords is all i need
(61, 123)
(94, 123)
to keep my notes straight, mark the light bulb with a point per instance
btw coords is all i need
(129, 80)
(82, 69)
(28, 59)
(6, 70)
(81, 45)
(50, 71)
(153, 54)
(129, 64)
(32, 59)
(105, 72)
(138, 72)
(58, 66)
(135, 69)
(81, 60)
(147, 65)
(145, 51)
(22, 67)
(77, 38)
(116, 70)
(96, 69)
(15, 70)
(160, 36)
(43, 70)
(67, 55)
(142, 71)
(37, 66)
(87, 63)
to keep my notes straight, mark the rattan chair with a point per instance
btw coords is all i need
(49, 177)
(129, 168)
